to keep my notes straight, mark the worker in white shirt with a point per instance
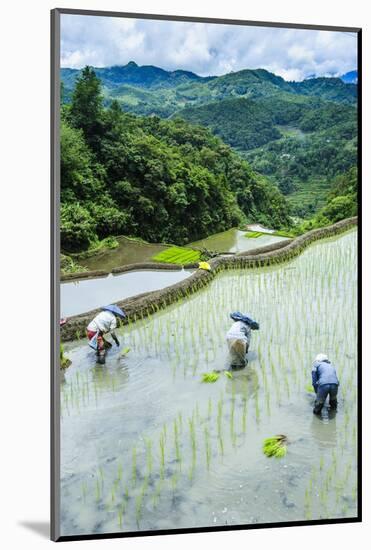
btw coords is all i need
(239, 336)
(104, 323)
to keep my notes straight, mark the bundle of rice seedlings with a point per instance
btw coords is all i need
(228, 374)
(309, 388)
(125, 351)
(64, 361)
(210, 377)
(275, 446)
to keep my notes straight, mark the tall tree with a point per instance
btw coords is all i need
(87, 107)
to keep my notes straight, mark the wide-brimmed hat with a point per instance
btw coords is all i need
(115, 310)
(321, 357)
(245, 318)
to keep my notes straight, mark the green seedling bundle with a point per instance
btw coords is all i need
(275, 446)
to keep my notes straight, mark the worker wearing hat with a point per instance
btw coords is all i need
(325, 382)
(104, 323)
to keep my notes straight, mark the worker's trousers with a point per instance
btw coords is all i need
(237, 351)
(323, 391)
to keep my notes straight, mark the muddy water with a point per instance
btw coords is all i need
(146, 445)
(83, 295)
(128, 252)
(234, 240)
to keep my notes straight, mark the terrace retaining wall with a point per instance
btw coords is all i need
(146, 304)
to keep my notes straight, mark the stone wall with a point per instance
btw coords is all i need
(148, 303)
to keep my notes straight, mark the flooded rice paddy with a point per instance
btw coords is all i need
(235, 240)
(129, 251)
(145, 445)
(87, 294)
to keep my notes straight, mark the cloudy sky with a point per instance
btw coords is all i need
(206, 49)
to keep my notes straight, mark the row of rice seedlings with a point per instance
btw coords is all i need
(283, 335)
(329, 484)
(84, 389)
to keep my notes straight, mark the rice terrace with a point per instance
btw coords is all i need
(209, 252)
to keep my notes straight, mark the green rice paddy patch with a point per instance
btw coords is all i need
(178, 255)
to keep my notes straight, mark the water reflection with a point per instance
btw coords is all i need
(323, 429)
(85, 295)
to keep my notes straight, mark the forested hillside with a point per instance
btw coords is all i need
(162, 180)
(300, 143)
(341, 202)
(299, 135)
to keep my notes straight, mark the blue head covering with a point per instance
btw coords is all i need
(238, 316)
(114, 309)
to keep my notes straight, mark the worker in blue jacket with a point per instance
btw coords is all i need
(325, 383)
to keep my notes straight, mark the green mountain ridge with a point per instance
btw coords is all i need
(176, 89)
(288, 131)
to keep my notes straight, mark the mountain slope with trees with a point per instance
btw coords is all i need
(157, 179)
(289, 132)
(178, 89)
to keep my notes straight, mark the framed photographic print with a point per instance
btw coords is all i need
(205, 285)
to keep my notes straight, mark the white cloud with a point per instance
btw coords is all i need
(206, 49)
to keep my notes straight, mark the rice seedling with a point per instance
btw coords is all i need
(192, 433)
(174, 481)
(177, 445)
(180, 420)
(84, 491)
(220, 416)
(244, 414)
(120, 515)
(101, 475)
(134, 466)
(149, 456)
(209, 408)
(162, 455)
(138, 507)
(275, 446)
(207, 447)
(157, 493)
(125, 351)
(97, 490)
(119, 471)
(257, 408)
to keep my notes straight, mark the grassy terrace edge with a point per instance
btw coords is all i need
(144, 305)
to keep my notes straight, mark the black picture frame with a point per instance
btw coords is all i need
(55, 270)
